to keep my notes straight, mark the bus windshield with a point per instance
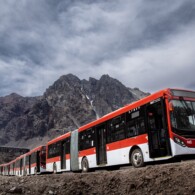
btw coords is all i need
(183, 117)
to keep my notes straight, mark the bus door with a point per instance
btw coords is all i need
(101, 144)
(21, 165)
(158, 137)
(29, 161)
(8, 169)
(14, 168)
(63, 155)
(38, 161)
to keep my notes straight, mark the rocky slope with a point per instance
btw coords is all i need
(66, 105)
(173, 178)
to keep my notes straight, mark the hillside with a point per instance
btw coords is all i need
(163, 179)
(66, 105)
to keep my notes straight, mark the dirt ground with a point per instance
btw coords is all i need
(162, 179)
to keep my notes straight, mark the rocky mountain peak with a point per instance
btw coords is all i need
(69, 79)
(65, 106)
(105, 77)
(63, 83)
(13, 97)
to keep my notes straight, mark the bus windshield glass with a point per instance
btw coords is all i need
(183, 117)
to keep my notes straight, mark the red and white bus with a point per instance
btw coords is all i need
(158, 127)
(35, 161)
(58, 154)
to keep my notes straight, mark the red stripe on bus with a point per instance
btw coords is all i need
(57, 158)
(87, 152)
(33, 165)
(67, 156)
(127, 142)
(118, 145)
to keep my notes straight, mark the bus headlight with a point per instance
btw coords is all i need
(179, 141)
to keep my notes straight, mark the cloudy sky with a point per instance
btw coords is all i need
(148, 44)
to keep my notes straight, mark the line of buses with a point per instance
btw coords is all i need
(158, 127)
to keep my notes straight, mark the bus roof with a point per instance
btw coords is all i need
(34, 150)
(19, 157)
(61, 137)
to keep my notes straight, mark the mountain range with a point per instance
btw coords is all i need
(66, 105)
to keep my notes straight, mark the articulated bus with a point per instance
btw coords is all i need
(158, 127)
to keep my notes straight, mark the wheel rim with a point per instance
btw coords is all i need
(85, 165)
(137, 158)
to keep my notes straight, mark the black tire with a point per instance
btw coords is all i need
(54, 168)
(85, 165)
(137, 159)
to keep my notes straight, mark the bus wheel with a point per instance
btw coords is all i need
(85, 165)
(54, 168)
(137, 159)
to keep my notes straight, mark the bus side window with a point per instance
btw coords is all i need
(68, 146)
(54, 150)
(135, 124)
(86, 139)
(27, 160)
(116, 129)
(151, 120)
(33, 158)
(131, 129)
(141, 126)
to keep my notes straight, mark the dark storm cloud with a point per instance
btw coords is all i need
(148, 44)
